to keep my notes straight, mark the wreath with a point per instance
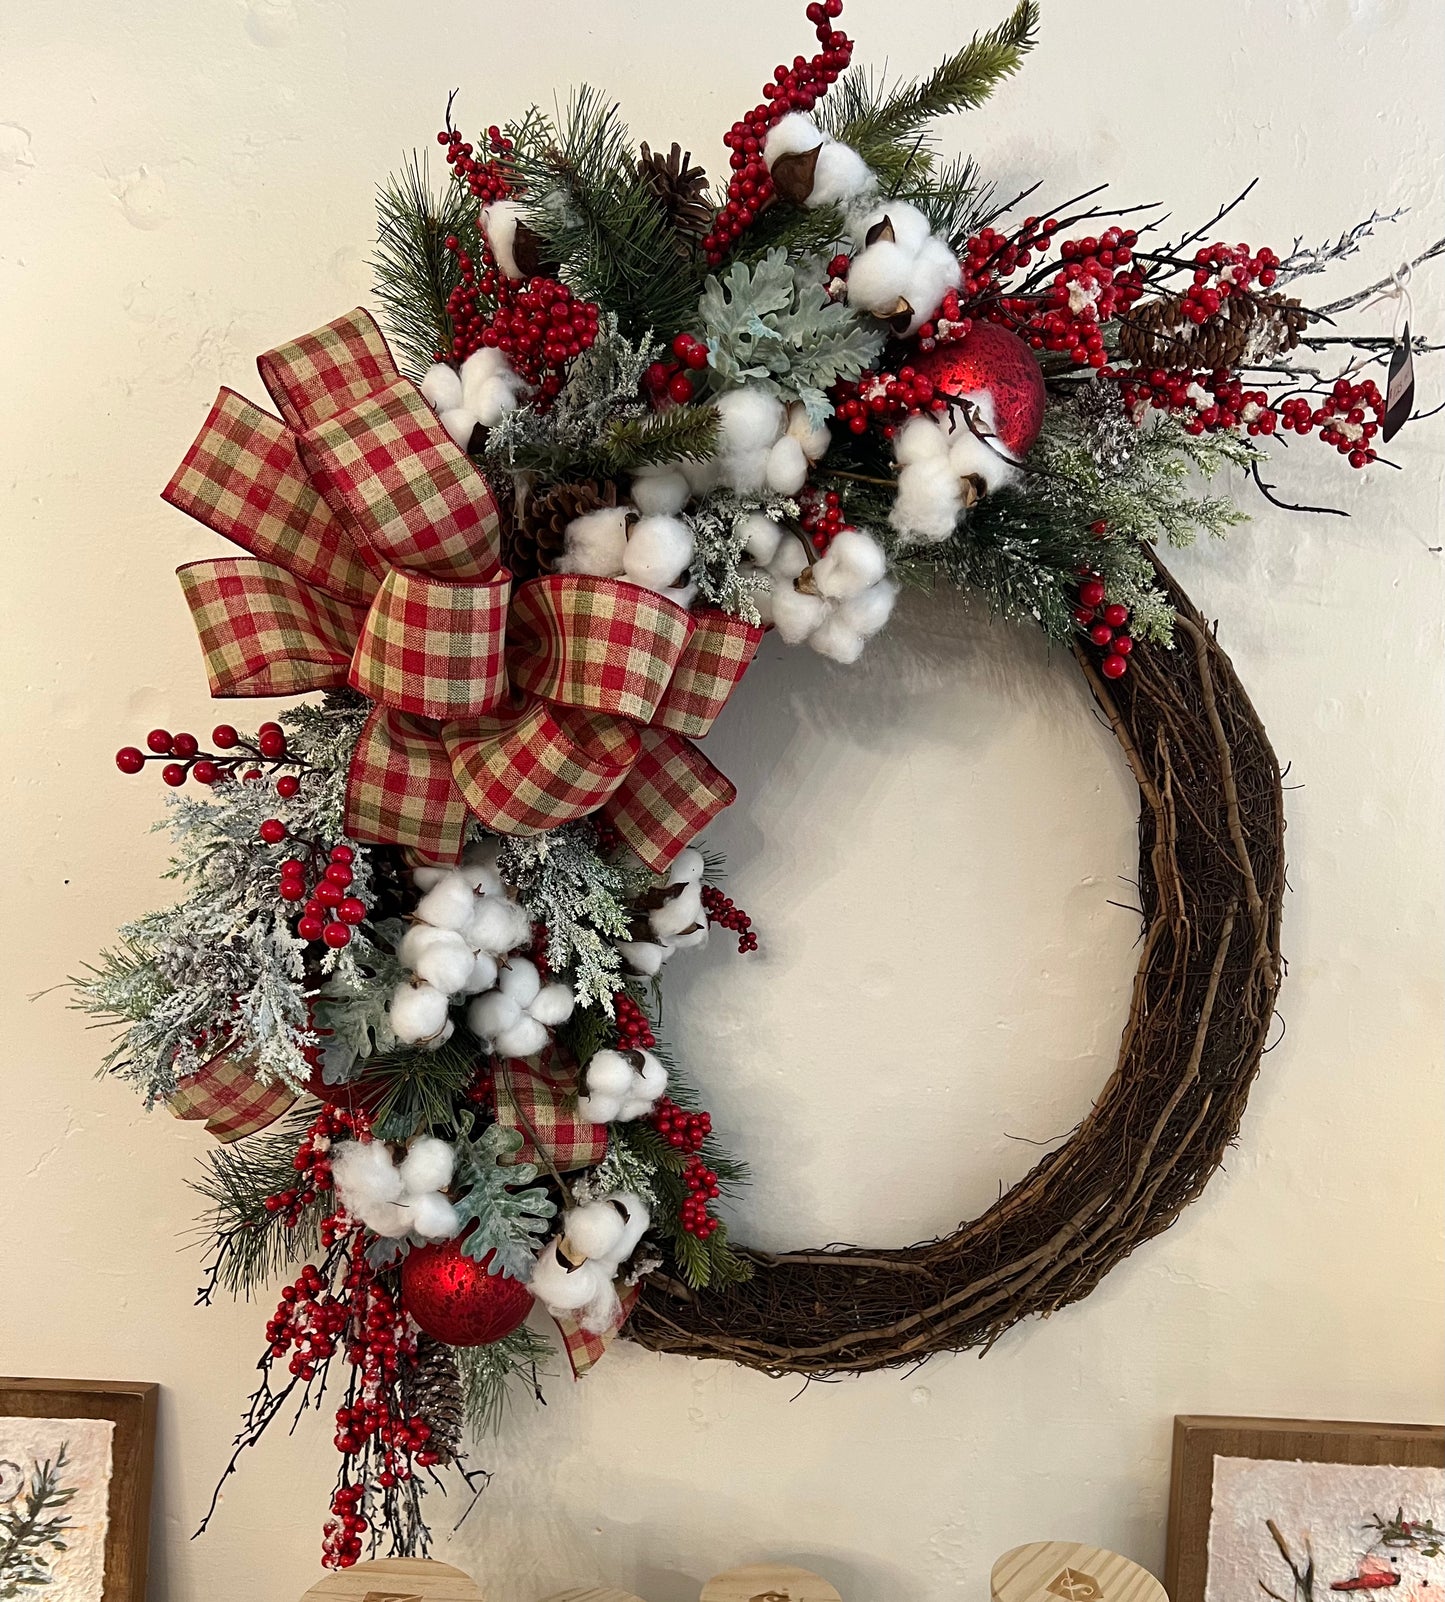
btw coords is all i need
(517, 553)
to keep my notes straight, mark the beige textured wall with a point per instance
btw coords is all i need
(929, 842)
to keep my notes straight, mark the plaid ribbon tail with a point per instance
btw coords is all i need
(264, 632)
(670, 795)
(539, 1100)
(228, 1098)
(584, 1349)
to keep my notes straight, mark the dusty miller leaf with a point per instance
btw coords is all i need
(508, 1219)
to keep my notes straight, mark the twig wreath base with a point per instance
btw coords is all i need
(1211, 877)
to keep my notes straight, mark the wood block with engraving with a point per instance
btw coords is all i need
(594, 1594)
(396, 1580)
(1064, 1571)
(768, 1582)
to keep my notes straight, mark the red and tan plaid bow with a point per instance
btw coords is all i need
(374, 561)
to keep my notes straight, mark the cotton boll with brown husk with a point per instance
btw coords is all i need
(657, 552)
(810, 169)
(516, 247)
(931, 495)
(497, 926)
(900, 270)
(595, 542)
(582, 1289)
(448, 904)
(813, 437)
(660, 491)
(760, 537)
(439, 956)
(618, 1086)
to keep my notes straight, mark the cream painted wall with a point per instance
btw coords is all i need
(930, 842)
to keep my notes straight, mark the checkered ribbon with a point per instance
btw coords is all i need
(539, 1100)
(226, 1096)
(584, 1349)
(372, 560)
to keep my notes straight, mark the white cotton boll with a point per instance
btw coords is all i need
(681, 595)
(929, 502)
(650, 1080)
(449, 904)
(525, 1038)
(428, 1165)
(598, 1109)
(792, 557)
(446, 962)
(364, 1174)
(497, 926)
(681, 912)
(492, 1014)
(499, 225)
(763, 598)
(919, 440)
(688, 866)
(760, 537)
(658, 551)
(791, 136)
(744, 471)
(603, 1312)
(481, 372)
(553, 1005)
(934, 272)
(460, 423)
(701, 476)
(910, 227)
(498, 398)
(433, 1217)
(642, 956)
(608, 1073)
(660, 491)
(440, 1039)
(521, 981)
(983, 459)
(425, 878)
(749, 419)
(417, 941)
(841, 175)
(796, 615)
(484, 880)
(865, 614)
(853, 561)
(686, 942)
(483, 974)
(835, 640)
(595, 542)
(637, 1221)
(594, 1230)
(878, 278)
(813, 437)
(442, 387)
(562, 1288)
(418, 1011)
(787, 466)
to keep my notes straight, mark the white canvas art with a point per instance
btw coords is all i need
(1318, 1532)
(54, 1490)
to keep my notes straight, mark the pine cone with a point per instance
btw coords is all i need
(432, 1389)
(681, 190)
(1246, 327)
(538, 532)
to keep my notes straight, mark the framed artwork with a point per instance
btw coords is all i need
(75, 1489)
(1302, 1511)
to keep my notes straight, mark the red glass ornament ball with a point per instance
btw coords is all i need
(991, 361)
(455, 1300)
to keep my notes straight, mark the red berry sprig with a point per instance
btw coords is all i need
(322, 881)
(668, 380)
(634, 1031)
(214, 767)
(702, 1188)
(1088, 290)
(886, 400)
(1348, 418)
(798, 87)
(724, 912)
(1105, 622)
(821, 516)
(487, 178)
(682, 1130)
(312, 1161)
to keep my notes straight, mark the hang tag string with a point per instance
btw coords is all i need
(1398, 292)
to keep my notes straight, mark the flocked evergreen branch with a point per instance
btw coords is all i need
(885, 125)
(31, 1527)
(492, 1374)
(414, 271)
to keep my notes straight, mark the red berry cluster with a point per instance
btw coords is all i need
(798, 87)
(702, 1188)
(990, 257)
(1087, 291)
(488, 179)
(329, 913)
(1341, 418)
(668, 381)
(682, 1130)
(1104, 621)
(1224, 403)
(483, 1087)
(211, 767)
(1224, 270)
(312, 1161)
(821, 514)
(884, 399)
(634, 1032)
(947, 326)
(724, 912)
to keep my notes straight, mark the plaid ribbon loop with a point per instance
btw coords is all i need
(373, 560)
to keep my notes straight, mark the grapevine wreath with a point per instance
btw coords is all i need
(518, 551)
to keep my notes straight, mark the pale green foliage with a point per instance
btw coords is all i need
(351, 1010)
(508, 1217)
(773, 326)
(221, 969)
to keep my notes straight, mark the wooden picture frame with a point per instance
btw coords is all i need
(131, 1408)
(1199, 1439)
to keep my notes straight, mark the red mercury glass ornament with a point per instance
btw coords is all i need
(991, 362)
(456, 1301)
